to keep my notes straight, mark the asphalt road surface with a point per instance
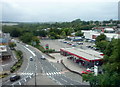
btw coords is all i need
(39, 66)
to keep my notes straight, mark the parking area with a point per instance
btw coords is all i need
(61, 43)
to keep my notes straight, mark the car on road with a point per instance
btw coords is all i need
(43, 57)
(26, 45)
(31, 59)
(14, 78)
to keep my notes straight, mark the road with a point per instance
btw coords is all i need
(50, 70)
(40, 67)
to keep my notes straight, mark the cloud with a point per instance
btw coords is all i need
(58, 10)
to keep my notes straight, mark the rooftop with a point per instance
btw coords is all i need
(3, 49)
(85, 54)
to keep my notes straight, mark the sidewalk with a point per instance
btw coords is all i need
(72, 66)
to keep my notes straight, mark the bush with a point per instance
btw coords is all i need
(49, 51)
(18, 64)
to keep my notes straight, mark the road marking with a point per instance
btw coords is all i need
(52, 73)
(30, 51)
(63, 80)
(19, 83)
(25, 79)
(30, 77)
(26, 73)
(71, 84)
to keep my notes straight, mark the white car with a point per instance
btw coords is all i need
(43, 57)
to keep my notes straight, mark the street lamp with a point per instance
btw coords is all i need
(35, 69)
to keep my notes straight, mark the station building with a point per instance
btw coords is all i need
(86, 58)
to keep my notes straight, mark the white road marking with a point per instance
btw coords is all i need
(25, 79)
(19, 83)
(71, 84)
(30, 51)
(63, 80)
(59, 72)
(30, 77)
(54, 73)
(47, 74)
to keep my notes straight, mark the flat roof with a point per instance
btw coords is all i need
(89, 55)
(3, 49)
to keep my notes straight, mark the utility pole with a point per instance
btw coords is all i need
(35, 79)
(35, 70)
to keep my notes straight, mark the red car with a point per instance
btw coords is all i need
(86, 72)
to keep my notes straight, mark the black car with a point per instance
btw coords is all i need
(14, 78)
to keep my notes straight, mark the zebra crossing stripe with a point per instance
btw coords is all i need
(26, 73)
(59, 72)
(52, 73)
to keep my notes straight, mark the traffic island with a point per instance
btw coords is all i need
(18, 64)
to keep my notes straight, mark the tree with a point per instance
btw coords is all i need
(78, 33)
(15, 32)
(26, 37)
(35, 40)
(63, 34)
(100, 38)
(102, 45)
(12, 45)
(111, 67)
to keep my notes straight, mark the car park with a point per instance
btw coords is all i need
(14, 78)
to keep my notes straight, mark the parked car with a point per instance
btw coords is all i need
(88, 46)
(73, 45)
(87, 71)
(14, 78)
(94, 48)
(43, 57)
(79, 43)
(65, 42)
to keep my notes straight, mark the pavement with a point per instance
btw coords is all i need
(71, 65)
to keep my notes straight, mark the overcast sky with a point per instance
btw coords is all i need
(58, 10)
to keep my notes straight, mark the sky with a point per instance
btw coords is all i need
(58, 10)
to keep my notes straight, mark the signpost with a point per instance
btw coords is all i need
(47, 46)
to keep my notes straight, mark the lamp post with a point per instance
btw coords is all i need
(95, 68)
(35, 70)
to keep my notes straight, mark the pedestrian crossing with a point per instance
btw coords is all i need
(52, 73)
(26, 73)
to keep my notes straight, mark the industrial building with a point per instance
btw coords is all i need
(92, 34)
